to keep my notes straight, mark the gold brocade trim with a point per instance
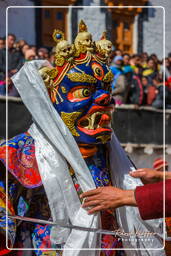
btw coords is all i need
(48, 75)
(59, 60)
(108, 77)
(86, 59)
(69, 119)
(81, 77)
(59, 32)
(63, 73)
(51, 253)
(53, 73)
(64, 90)
(82, 49)
(104, 138)
(99, 59)
(82, 26)
(54, 93)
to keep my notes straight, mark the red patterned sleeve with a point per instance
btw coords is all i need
(150, 200)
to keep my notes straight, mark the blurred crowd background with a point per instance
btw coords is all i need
(139, 79)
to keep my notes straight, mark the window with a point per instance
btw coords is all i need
(59, 16)
(115, 23)
(47, 14)
(126, 48)
(126, 26)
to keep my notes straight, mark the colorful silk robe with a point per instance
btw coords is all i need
(27, 197)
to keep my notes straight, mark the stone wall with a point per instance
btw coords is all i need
(153, 28)
(94, 17)
(142, 160)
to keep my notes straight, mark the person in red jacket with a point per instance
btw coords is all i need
(148, 198)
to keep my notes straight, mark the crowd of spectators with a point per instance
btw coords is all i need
(139, 79)
(19, 52)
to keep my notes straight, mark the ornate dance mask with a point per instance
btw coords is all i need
(79, 86)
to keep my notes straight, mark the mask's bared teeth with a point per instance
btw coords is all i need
(92, 118)
(90, 126)
(96, 120)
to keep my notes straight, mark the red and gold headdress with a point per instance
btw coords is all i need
(83, 50)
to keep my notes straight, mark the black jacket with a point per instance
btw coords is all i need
(14, 61)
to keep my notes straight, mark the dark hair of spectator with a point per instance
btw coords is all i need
(169, 55)
(145, 77)
(158, 78)
(155, 64)
(25, 45)
(118, 50)
(135, 56)
(32, 45)
(153, 55)
(149, 59)
(144, 53)
(52, 53)
(12, 36)
(126, 54)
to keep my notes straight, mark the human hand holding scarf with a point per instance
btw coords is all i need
(108, 197)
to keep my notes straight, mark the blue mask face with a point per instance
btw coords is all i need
(84, 103)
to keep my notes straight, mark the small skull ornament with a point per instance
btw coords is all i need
(104, 47)
(64, 49)
(64, 52)
(48, 74)
(83, 42)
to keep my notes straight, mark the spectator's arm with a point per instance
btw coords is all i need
(149, 199)
(20, 62)
(104, 198)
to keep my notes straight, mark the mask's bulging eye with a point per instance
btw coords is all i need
(86, 92)
(98, 71)
(81, 93)
(78, 94)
